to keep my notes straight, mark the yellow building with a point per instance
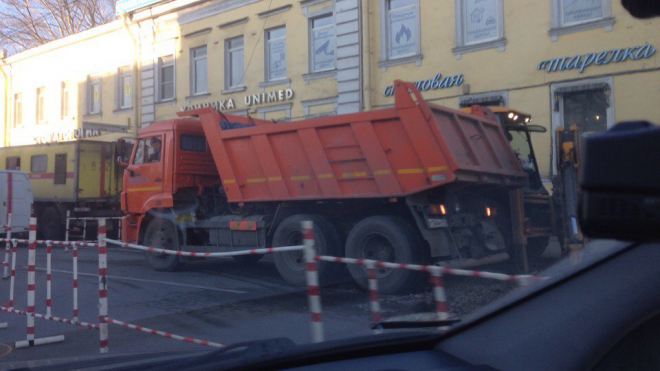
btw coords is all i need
(566, 62)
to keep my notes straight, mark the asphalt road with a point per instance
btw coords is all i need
(217, 300)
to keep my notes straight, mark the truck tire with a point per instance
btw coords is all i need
(390, 239)
(536, 246)
(162, 234)
(291, 265)
(50, 224)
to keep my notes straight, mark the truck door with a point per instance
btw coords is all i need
(145, 173)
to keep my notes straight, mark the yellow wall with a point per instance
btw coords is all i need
(98, 51)
(514, 70)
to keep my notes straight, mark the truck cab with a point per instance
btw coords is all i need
(170, 161)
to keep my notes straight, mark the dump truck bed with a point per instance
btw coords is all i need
(393, 152)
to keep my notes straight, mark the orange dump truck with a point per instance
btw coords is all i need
(417, 183)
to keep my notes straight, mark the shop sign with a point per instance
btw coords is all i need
(582, 61)
(249, 100)
(66, 135)
(437, 82)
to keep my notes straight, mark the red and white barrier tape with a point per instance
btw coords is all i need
(313, 288)
(103, 288)
(204, 254)
(55, 243)
(51, 318)
(428, 268)
(165, 334)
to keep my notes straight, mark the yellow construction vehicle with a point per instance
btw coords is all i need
(78, 176)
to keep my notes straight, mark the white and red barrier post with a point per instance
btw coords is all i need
(374, 302)
(49, 246)
(313, 290)
(32, 257)
(103, 288)
(12, 280)
(75, 281)
(5, 275)
(67, 229)
(439, 294)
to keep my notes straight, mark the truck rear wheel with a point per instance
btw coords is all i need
(389, 239)
(291, 264)
(162, 234)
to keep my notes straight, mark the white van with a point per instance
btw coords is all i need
(15, 198)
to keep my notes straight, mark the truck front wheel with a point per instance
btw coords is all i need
(389, 239)
(291, 264)
(162, 234)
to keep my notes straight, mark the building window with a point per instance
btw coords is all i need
(579, 15)
(587, 104)
(41, 105)
(234, 56)
(13, 163)
(166, 78)
(276, 113)
(198, 71)
(479, 25)
(38, 164)
(93, 94)
(276, 54)
(124, 91)
(322, 48)
(400, 29)
(67, 100)
(18, 109)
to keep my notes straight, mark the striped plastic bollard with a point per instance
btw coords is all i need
(103, 288)
(311, 273)
(374, 302)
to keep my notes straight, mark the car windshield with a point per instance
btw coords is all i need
(182, 176)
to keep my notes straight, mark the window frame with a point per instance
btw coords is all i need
(40, 106)
(32, 171)
(267, 54)
(123, 73)
(66, 109)
(557, 26)
(385, 59)
(312, 48)
(229, 68)
(18, 112)
(193, 70)
(159, 77)
(460, 26)
(93, 80)
(7, 160)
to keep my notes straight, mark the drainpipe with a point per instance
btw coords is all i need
(5, 79)
(137, 92)
(366, 55)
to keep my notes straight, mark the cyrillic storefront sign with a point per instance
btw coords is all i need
(581, 62)
(437, 82)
